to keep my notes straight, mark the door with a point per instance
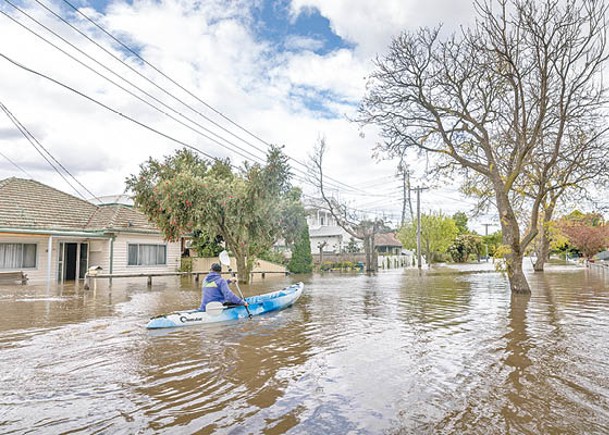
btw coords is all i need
(72, 261)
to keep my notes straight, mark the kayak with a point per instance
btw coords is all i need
(257, 305)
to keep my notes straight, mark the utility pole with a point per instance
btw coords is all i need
(419, 228)
(486, 242)
(404, 197)
(418, 190)
(403, 170)
(486, 228)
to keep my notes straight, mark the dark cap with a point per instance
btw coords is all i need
(215, 267)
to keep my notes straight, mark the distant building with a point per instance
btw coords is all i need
(325, 233)
(387, 244)
(54, 237)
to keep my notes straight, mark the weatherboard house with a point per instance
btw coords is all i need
(54, 237)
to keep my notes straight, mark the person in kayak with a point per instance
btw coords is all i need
(215, 289)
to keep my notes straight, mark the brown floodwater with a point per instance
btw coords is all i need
(451, 351)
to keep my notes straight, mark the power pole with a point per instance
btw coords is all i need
(418, 190)
(486, 228)
(403, 170)
(404, 197)
(486, 242)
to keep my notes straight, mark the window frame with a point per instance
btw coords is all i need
(24, 255)
(140, 257)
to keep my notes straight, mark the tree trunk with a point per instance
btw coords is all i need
(543, 247)
(368, 253)
(511, 239)
(243, 273)
(542, 252)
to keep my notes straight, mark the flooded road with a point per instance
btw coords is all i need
(451, 351)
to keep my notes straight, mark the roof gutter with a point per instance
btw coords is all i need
(65, 233)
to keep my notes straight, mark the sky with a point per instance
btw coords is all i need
(103, 86)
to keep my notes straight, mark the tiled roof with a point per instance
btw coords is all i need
(120, 217)
(387, 239)
(28, 204)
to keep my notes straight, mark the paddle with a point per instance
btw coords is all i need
(214, 308)
(225, 260)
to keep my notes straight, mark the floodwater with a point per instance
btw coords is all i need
(451, 352)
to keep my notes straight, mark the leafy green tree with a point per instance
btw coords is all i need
(464, 246)
(185, 193)
(206, 245)
(461, 219)
(302, 260)
(492, 242)
(438, 232)
(352, 247)
(293, 217)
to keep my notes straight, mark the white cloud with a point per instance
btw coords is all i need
(371, 25)
(303, 43)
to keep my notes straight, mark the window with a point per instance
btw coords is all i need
(146, 255)
(17, 255)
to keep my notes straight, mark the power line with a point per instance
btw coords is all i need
(301, 178)
(99, 103)
(141, 90)
(127, 81)
(16, 165)
(149, 81)
(38, 146)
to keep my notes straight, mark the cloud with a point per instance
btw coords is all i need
(371, 25)
(298, 43)
(9, 134)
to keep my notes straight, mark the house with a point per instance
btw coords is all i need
(55, 237)
(387, 244)
(325, 233)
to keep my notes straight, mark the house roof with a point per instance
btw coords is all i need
(30, 205)
(327, 231)
(387, 239)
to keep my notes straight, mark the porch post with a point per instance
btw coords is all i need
(49, 255)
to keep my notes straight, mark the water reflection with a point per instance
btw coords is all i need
(517, 362)
(447, 351)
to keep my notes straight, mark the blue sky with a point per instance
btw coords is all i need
(276, 24)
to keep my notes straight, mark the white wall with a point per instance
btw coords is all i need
(99, 255)
(120, 255)
(39, 273)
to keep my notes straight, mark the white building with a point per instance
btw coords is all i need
(325, 234)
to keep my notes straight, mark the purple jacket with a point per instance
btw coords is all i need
(215, 289)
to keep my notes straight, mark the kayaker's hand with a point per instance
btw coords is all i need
(228, 281)
(245, 304)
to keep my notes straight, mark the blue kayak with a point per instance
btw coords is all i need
(257, 305)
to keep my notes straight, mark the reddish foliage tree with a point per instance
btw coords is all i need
(588, 233)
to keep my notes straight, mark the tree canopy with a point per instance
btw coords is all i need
(438, 232)
(464, 246)
(586, 232)
(185, 193)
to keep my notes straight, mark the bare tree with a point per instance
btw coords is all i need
(492, 100)
(365, 230)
